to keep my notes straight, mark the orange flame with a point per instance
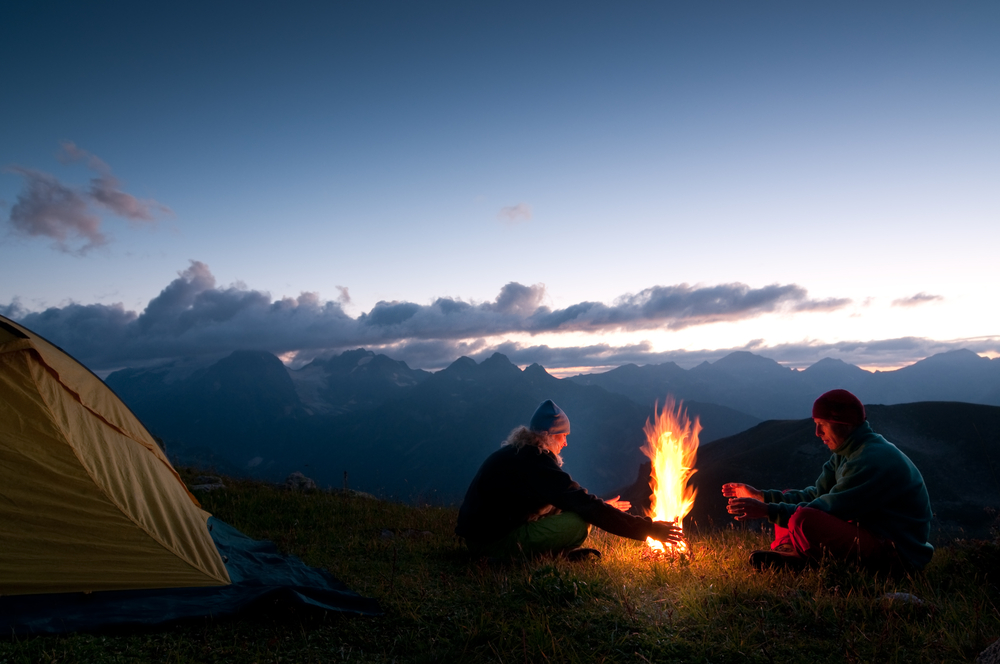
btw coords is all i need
(672, 446)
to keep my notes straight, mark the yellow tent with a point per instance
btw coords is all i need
(88, 501)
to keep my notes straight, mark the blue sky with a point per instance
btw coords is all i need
(658, 181)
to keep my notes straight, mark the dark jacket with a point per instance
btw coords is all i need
(868, 481)
(518, 485)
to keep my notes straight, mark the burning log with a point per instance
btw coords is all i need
(672, 447)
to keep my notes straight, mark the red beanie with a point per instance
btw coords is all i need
(839, 406)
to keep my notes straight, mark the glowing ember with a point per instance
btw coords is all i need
(672, 446)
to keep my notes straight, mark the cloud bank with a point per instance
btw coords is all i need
(46, 207)
(194, 317)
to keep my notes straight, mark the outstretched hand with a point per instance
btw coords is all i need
(622, 505)
(747, 508)
(666, 531)
(736, 490)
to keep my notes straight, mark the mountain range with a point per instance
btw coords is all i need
(763, 388)
(395, 431)
(420, 436)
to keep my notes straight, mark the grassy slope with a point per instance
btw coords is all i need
(442, 607)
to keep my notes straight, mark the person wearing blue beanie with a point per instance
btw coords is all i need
(549, 418)
(521, 502)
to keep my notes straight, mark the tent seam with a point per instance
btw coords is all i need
(124, 512)
(27, 343)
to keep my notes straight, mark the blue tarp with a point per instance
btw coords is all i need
(258, 572)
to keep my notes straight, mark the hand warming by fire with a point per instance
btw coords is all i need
(745, 502)
(867, 480)
(672, 447)
(522, 504)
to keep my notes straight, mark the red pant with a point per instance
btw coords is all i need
(811, 531)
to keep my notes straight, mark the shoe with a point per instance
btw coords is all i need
(784, 548)
(762, 560)
(576, 555)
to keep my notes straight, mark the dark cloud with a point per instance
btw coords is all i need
(916, 300)
(193, 316)
(96, 334)
(14, 310)
(391, 314)
(517, 299)
(678, 307)
(45, 207)
(105, 188)
(177, 298)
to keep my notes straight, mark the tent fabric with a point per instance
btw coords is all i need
(97, 529)
(258, 572)
(88, 501)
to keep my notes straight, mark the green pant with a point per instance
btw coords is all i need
(547, 535)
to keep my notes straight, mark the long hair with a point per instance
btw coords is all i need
(522, 436)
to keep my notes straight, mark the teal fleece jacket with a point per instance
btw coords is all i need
(868, 481)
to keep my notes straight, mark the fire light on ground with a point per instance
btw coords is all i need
(672, 446)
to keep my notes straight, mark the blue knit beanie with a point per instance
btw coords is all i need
(549, 418)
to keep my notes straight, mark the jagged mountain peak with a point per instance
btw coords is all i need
(952, 358)
(246, 362)
(499, 364)
(829, 366)
(830, 362)
(244, 381)
(463, 367)
(742, 363)
(536, 370)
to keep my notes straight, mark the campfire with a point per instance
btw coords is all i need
(672, 446)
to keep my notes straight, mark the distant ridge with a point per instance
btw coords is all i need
(763, 388)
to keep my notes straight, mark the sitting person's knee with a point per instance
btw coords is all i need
(805, 530)
(804, 518)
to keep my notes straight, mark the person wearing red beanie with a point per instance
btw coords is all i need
(839, 406)
(869, 504)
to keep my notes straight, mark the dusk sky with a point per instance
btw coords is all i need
(578, 184)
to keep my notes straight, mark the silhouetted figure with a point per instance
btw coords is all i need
(869, 504)
(521, 502)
